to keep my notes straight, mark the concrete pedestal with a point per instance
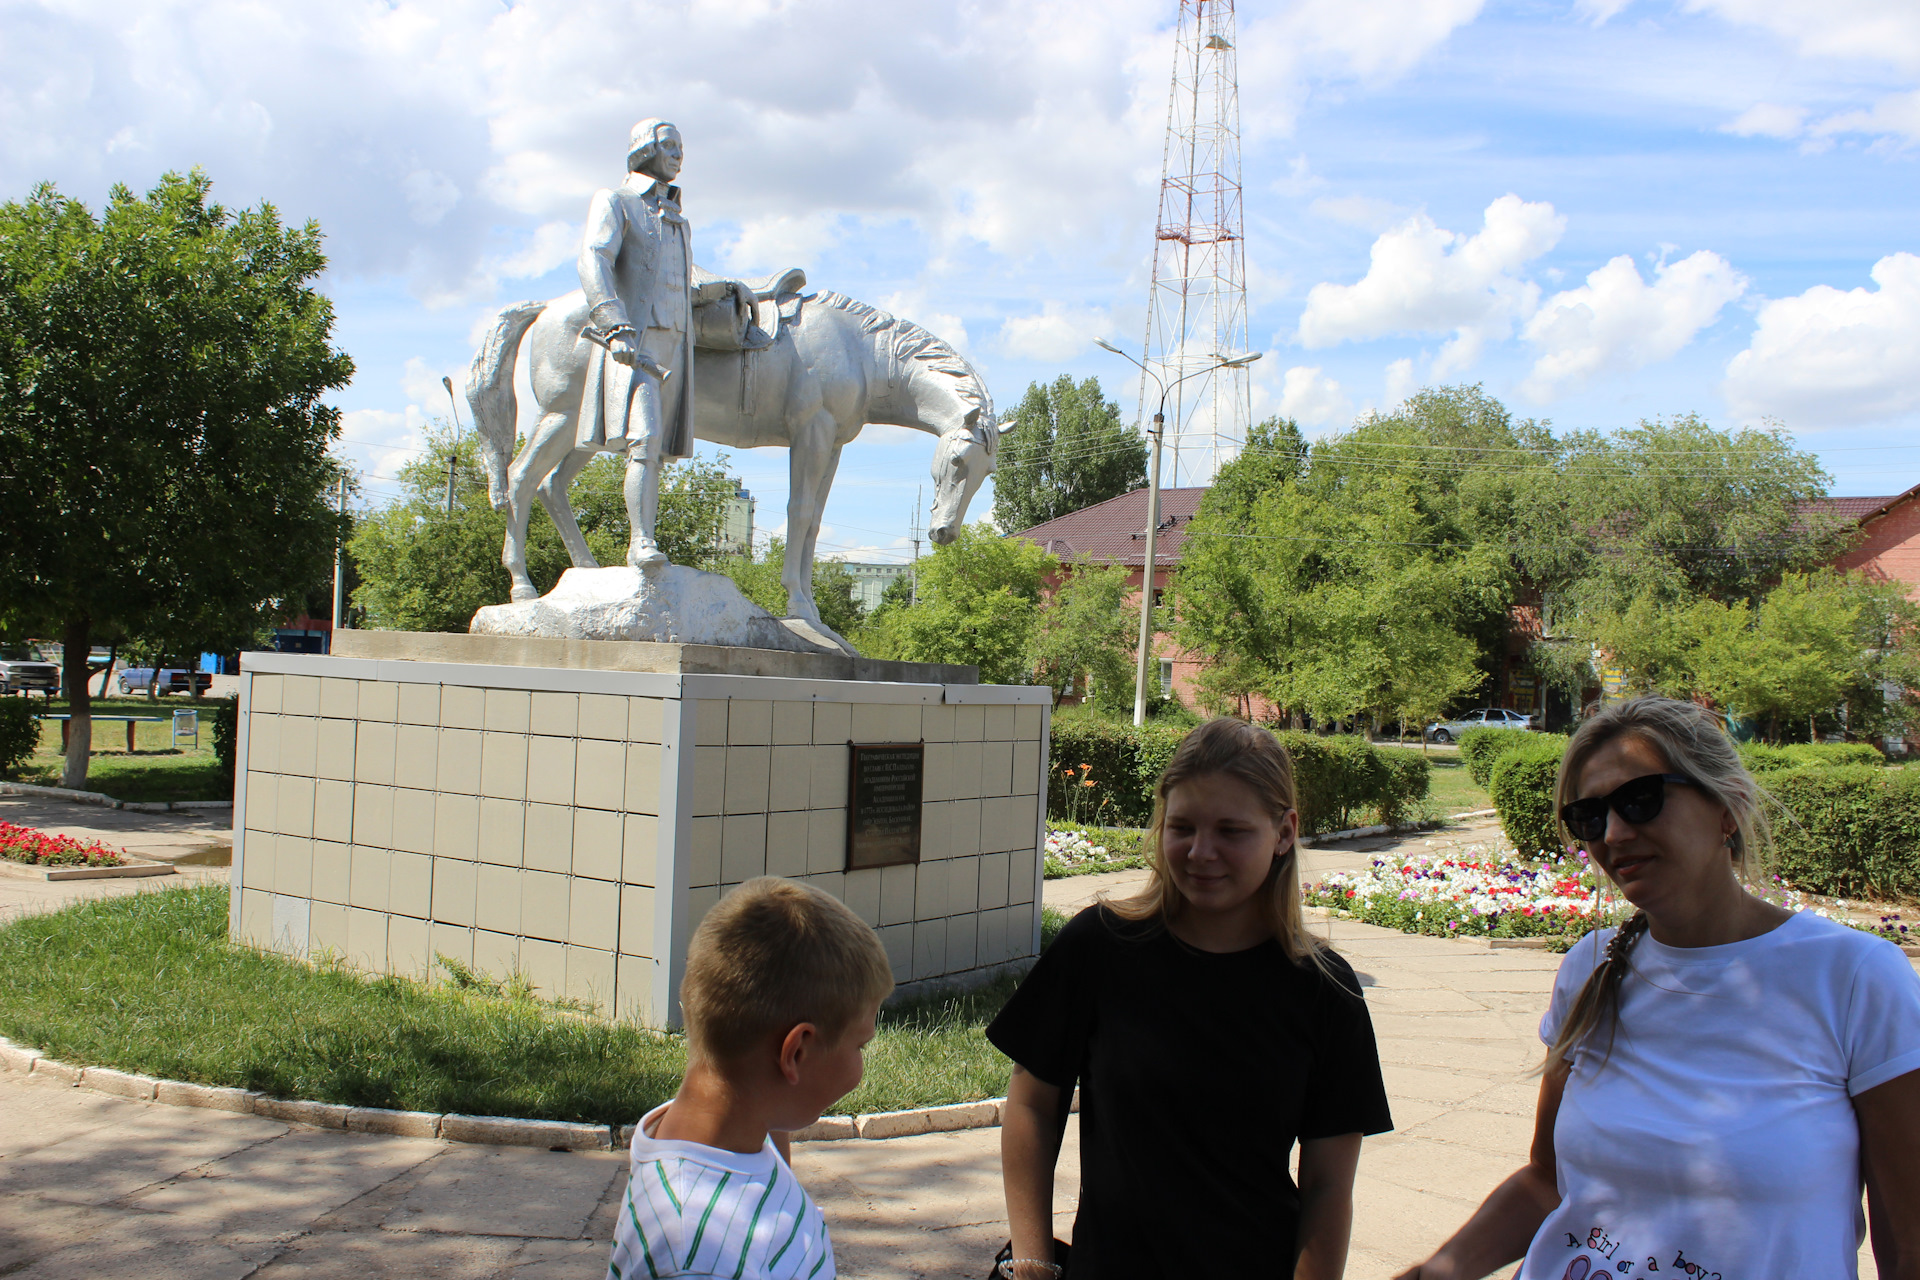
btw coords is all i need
(569, 810)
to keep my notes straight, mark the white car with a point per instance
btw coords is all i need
(1485, 718)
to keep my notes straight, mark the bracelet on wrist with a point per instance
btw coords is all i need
(1007, 1268)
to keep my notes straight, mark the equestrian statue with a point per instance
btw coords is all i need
(651, 352)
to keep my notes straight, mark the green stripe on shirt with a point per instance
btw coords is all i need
(754, 1223)
(694, 1250)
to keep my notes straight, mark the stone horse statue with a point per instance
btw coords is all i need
(772, 366)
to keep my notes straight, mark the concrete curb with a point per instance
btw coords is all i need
(1361, 833)
(506, 1131)
(134, 867)
(108, 802)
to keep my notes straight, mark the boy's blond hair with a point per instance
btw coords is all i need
(773, 954)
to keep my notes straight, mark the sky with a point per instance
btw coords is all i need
(1602, 210)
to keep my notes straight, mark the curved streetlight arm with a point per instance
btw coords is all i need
(1153, 510)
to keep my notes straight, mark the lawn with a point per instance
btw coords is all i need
(149, 983)
(1451, 788)
(154, 771)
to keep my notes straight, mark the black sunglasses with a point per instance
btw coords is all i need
(1637, 801)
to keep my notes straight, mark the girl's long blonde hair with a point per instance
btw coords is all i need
(1254, 757)
(1692, 742)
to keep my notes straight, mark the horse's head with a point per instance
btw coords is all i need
(965, 456)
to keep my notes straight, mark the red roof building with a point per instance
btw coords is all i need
(1889, 545)
(1115, 532)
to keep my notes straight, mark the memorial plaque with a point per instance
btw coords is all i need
(883, 804)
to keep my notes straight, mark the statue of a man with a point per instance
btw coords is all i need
(636, 267)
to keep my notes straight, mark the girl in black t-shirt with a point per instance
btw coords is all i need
(1207, 1032)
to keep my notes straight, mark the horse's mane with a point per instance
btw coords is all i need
(908, 341)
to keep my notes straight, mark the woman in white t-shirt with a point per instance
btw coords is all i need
(1722, 1075)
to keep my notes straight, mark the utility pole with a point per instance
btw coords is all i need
(453, 458)
(913, 572)
(340, 568)
(1214, 363)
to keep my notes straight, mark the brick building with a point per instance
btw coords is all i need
(1889, 545)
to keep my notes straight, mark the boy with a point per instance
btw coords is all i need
(783, 984)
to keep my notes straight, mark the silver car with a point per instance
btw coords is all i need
(1485, 718)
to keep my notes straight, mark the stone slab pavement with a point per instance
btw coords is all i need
(198, 843)
(93, 1185)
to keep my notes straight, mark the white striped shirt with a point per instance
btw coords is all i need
(695, 1211)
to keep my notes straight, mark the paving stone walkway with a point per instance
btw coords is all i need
(92, 1185)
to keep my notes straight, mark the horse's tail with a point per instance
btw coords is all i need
(490, 393)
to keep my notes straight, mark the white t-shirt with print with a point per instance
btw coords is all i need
(695, 1211)
(1718, 1141)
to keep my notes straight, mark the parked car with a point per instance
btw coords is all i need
(172, 680)
(24, 667)
(1485, 718)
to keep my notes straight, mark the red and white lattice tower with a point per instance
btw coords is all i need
(1197, 306)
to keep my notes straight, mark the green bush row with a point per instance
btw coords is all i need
(1758, 756)
(1480, 748)
(1849, 830)
(19, 733)
(1104, 774)
(1521, 783)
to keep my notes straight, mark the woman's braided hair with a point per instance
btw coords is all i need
(1693, 743)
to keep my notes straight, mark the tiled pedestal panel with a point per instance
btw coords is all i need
(574, 825)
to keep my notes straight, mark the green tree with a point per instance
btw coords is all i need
(1067, 449)
(423, 568)
(1275, 455)
(1089, 628)
(833, 587)
(161, 368)
(979, 605)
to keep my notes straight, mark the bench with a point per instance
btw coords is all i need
(66, 727)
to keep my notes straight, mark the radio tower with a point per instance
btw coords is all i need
(1197, 305)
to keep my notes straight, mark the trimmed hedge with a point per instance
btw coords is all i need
(1758, 756)
(1104, 773)
(1850, 831)
(19, 733)
(226, 734)
(1481, 748)
(1521, 784)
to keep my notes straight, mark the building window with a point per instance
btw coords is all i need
(1166, 679)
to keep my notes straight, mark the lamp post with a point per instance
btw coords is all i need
(1153, 509)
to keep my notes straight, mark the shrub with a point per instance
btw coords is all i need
(1522, 788)
(226, 734)
(1758, 756)
(1480, 748)
(19, 733)
(1104, 773)
(1849, 830)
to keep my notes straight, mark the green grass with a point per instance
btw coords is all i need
(155, 771)
(1451, 789)
(149, 983)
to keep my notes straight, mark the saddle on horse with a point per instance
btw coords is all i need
(741, 315)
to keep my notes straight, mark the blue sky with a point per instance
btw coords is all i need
(1603, 210)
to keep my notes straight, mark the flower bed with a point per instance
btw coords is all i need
(37, 848)
(1489, 892)
(1478, 891)
(1080, 850)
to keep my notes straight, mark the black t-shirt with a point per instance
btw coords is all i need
(1197, 1073)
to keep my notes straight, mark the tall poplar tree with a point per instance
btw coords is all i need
(1067, 449)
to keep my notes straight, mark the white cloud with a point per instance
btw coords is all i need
(1425, 279)
(765, 245)
(1886, 31)
(1616, 321)
(1059, 332)
(912, 305)
(1313, 399)
(1896, 116)
(550, 245)
(1768, 120)
(1829, 357)
(1401, 383)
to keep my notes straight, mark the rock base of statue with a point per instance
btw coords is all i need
(672, 604)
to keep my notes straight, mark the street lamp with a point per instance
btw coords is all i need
(1153, 508)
